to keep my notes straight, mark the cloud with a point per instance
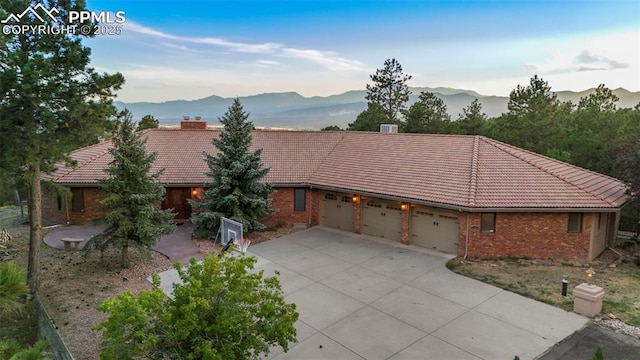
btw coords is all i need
(324, 58)
(585, 61)
(234, 46)
(557, 63)
(589, 61)
(327, 59)
(181, 49)
(267, 63)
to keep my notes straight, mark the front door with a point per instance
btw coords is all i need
(176, 199)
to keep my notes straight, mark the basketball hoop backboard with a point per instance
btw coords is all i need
(230, 230)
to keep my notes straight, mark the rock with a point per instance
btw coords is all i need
(621, 327)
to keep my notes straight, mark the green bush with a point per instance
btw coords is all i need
(222, 310)
(11, 350)
(13, 286)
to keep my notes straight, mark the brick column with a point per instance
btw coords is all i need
(357, 215)
(314, 207)
(406, 214)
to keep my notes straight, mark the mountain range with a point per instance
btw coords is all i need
(292, 110)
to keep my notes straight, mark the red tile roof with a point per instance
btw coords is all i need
(451, 170)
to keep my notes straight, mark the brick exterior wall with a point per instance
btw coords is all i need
(532, 235)
(64, 214)
(282, 203)
(51, 213)
(523, 235)
(92, 197)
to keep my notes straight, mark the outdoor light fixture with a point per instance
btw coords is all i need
(355, 198)
(404, 206)
(590, 273)
(565, 283)
(194, 192)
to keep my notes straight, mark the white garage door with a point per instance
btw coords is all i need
(434, 229)
(336, 211)
(382, 218)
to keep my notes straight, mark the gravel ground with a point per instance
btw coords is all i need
(619, 326)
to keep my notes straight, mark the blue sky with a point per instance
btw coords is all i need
(192, 49)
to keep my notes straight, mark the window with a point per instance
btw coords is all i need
(575, 223)
(488, 222)
(299, 200)
(77, 200)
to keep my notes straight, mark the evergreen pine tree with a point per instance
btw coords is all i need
(52, 103)
(390, 90)
(236, 191)
(148, 122)
(132, 195)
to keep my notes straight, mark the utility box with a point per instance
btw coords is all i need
(587, 299)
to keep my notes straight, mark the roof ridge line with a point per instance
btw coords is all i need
(506, 148)
(84, 163)
(473, 184)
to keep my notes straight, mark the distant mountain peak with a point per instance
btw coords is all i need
(292, 110)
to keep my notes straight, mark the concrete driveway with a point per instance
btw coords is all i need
(363, 298)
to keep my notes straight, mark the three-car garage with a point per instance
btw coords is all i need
(429, 227)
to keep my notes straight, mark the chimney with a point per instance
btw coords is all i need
(185, 124)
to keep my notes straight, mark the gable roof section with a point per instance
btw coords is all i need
(451, 170)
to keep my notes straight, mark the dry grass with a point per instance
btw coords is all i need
(72, 286)
(542, 281)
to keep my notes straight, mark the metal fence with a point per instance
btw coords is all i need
(47, 330)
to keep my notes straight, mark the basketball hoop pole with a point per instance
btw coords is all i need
(217, 234)
(225, 248)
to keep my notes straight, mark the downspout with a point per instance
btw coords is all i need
(466, 241)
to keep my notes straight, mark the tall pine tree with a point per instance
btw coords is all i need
(132, 195)
(51, 102)
(390, 90)
(236, 191)
(428, 115)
